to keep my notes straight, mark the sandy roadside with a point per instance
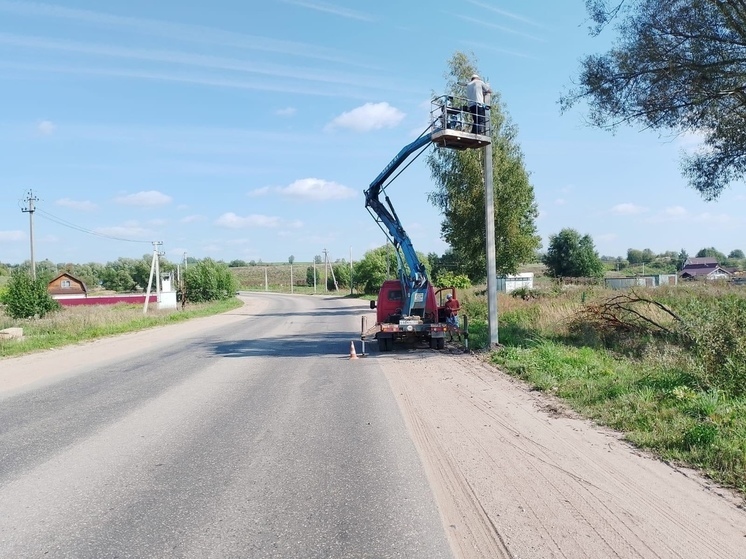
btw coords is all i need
(517, 476)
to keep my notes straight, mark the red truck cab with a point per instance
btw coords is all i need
(428, 324)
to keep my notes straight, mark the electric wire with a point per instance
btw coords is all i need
(59, 221)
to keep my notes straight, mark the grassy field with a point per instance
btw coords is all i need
(277, 278)
(77, 324)
(666, 366)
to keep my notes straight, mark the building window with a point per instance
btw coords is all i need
(65, 284)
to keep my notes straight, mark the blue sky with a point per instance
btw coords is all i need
(248, 130)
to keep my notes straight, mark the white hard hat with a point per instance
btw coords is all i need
(449, 296)
(475, 76)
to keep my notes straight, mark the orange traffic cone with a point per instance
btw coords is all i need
(353, 355)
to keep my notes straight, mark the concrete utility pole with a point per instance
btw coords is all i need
(30, 209)
(351, 271)
(314, 275)
(326, 270)
(489, 218)
(154, 271)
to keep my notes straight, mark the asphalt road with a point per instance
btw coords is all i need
(255, 438)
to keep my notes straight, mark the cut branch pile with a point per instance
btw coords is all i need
(629, 312)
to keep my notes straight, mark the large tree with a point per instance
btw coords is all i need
(573, 256)
(677, 66)
(459, 192)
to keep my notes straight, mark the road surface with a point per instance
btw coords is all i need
(252, 434)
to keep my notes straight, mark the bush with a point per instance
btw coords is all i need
(208, 280)
(449, 279)
(26, 297)
(714, 329)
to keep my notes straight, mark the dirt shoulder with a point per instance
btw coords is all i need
(515, 475)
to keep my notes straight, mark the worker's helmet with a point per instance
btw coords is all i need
(475, 76)
(449, 296)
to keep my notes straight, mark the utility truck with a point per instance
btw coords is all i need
(409, 308)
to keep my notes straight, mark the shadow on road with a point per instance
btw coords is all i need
(326, 343)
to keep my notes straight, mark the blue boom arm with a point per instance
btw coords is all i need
(414, 281)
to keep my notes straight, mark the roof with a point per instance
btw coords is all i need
(701, 271)
(71, 277)
(702, 260)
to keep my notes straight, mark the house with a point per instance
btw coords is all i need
(704, 268)
(65, 285)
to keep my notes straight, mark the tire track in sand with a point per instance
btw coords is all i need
(508, 475)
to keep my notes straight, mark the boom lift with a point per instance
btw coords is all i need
(409, 308)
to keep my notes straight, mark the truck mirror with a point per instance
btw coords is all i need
(372, 304)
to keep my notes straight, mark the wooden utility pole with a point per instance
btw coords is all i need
(29, 209)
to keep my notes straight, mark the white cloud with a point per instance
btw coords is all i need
(82, 205)
(331, 9)
(371, 116)
(692, 142)
(46, 127)
(628, 209)
(192, 218)
(233, 221)
(675, 211)
(12, 236)
(672, 213)
(719, 219)
(147, 198)
(316, 190)
(287, 111)
(258, 192)
(124, 231)
(607, 237)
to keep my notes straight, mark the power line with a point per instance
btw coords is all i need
(69, 225)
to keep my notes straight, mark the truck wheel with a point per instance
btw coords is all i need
(385, 344)
(433, 343)
(441, 343)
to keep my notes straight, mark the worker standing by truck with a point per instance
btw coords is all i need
(452, 307)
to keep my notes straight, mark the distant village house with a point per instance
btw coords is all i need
(704, 268)
(66, 285)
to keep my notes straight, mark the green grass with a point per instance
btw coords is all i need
(78, 324)
(658, 396)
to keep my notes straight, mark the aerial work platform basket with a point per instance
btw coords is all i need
(456, 125)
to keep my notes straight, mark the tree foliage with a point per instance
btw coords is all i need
(711, 252)
(374, 268)
(736, 254)
(570, 255)
(677, 66)
(634, 256)
(208, 280)
(459, 192)
(27, 297)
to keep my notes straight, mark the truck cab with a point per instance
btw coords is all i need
(426, 323)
